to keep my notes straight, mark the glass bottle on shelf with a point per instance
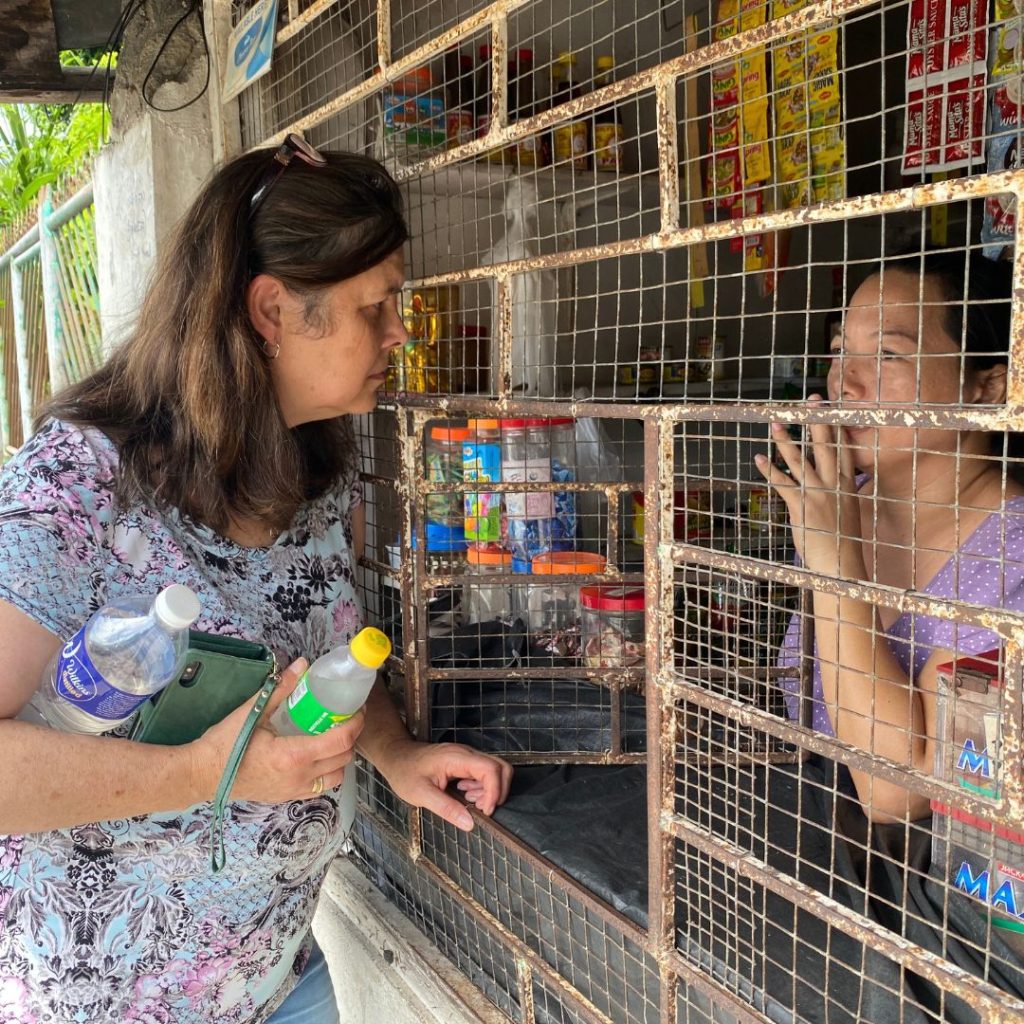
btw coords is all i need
(460, 115)
(530, 152)
(609, 134)
(571, 145)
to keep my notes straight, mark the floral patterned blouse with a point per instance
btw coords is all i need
(117, 921)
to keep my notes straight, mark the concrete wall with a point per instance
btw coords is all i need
(156, 161)
(383, 968)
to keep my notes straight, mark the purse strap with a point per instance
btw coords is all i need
(218, 858)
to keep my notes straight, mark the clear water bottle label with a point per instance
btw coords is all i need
(307, 713)
(78, 682)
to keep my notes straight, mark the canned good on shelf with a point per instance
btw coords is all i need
(692, 517)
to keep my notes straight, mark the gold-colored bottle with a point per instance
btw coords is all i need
(571, 140)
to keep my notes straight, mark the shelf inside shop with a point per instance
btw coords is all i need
(629, 192)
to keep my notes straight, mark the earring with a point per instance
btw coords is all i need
(276, 352)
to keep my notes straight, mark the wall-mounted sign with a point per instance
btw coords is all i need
(250, 47)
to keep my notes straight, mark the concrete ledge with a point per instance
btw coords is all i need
(384, 970)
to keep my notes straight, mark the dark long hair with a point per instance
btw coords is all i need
(188, 398)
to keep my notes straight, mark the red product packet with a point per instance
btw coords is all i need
(926, 33)
(923, 132)
(967, 45)
(964, 122)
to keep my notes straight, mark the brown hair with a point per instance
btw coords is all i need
(188, 398)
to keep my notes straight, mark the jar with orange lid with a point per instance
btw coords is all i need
(481, 462)
(482, 599)
(444, 466)
(553, 605)
(613, 626)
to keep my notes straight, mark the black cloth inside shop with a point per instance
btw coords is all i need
(802, 819)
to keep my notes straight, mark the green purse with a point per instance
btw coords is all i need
(220, 674)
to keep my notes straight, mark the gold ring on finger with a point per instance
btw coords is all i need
(318, 785)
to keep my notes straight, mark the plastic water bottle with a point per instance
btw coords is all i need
(127, 651)
(334, 687)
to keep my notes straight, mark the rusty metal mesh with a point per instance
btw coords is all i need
(684, 302)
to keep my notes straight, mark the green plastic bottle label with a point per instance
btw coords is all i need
(307, 713)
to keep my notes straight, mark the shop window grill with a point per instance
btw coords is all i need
(771, 157)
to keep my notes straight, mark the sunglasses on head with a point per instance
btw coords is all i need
(292, 147)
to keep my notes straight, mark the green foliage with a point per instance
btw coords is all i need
(41, 142)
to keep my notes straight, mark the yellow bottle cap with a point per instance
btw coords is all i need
(370, 647)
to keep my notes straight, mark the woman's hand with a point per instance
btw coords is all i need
(821, 498)
(420, 773)
(276, 768)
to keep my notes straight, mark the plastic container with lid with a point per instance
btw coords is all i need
(613, 626)
(444, 465)
(538, 451)
(563, 470)
(553, 604)
(483, 600)
(445, 555)
(526, 458)
(481, 461)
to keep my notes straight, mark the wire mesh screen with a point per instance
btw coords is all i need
(80, 345)
(695, 491)
(32, 310)
(11, 399)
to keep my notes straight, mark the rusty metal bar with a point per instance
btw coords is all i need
(298, 20)
(688, 63)
(668, 154)
(681, 410)
(658, 524)
(524, 978)
(502, 384)
(383, 61)
(1002, 621)
(578, 757)
(487, 920)
(410, 644)
(628, 677)
(836, 750)
(934, 968)
(913, 197)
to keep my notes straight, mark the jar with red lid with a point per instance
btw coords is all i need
(613, 626)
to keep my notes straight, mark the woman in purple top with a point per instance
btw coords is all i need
(929, 510)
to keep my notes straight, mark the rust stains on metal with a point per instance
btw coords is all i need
(946, 975)
(668, 154)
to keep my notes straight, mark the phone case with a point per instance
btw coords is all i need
(220, 673)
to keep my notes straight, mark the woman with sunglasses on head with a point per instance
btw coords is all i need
(212, 449)
(932, 510)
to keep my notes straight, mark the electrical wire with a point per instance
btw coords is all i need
(195, 8)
